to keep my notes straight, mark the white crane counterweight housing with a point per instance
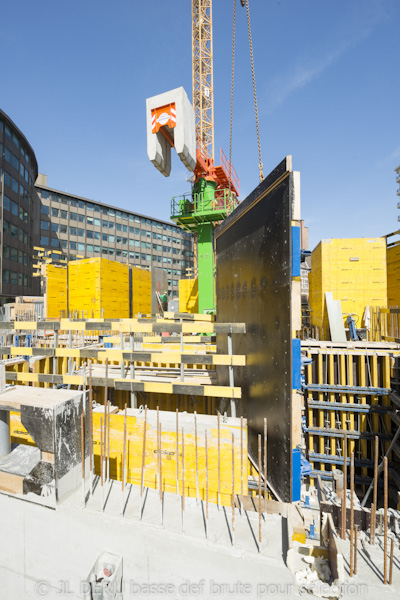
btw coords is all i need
(170, 121)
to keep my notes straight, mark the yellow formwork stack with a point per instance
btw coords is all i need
(56, 294)
(393, 275)
(141, 291)
(354, 270)
(99, 287)
(188, 295)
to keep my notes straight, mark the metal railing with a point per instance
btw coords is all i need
(222, 202)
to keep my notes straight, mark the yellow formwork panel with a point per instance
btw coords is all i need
(141, 291)
(56, 291)
(99, 287)
(188, 295)
(18, 433)
(354, 270)
(135, 429)
(393, 275)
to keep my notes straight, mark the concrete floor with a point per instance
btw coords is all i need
(46, 553)
(369, 579)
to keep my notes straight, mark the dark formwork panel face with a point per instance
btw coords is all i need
(253, 260)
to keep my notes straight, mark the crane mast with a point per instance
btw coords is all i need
(202, 75)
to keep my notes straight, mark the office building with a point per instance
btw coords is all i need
(77, 226)
(35, 215)
(18, 172)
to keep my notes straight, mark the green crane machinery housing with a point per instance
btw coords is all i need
(200, 212)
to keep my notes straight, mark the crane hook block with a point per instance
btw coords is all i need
(170, 122)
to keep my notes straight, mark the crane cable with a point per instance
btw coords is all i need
(260, 163)
(232, 86)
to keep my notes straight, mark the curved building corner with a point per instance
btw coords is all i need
(18, 172)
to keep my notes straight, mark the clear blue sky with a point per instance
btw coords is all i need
(75, 76)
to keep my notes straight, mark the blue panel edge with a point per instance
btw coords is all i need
(296, 253)
(296, 364)
(296, 475)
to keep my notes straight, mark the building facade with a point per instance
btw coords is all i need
(35, 215)
(18, 172)
(397, 170)
(77, 226)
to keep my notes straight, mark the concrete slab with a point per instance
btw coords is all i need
(47, 553)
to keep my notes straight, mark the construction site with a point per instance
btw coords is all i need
(240, 440)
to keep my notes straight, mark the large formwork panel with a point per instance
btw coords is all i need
(253, 261)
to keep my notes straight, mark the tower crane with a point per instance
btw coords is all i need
(215, 187)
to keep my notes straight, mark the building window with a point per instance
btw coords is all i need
(45, 225)
(44, 240)
(81, 247)
(13, 278)
(6, 276)
(45, 195)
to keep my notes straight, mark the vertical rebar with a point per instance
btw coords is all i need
(265, 465)
(233, 488)
(219, 459)
(385, 517)
(143, 455)
(206, 457)
(124, 462)
(91, 426)
(344, 515)
(177, 451)
(183, 479)
(355, 549)
(158, 446)
(83, 455)
(241, 456)
(351, 514)
(375, 495)
(259, 489)
(101, 463)
(197, 456)
(391, 560)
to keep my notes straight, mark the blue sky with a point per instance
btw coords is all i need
(75, 77)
